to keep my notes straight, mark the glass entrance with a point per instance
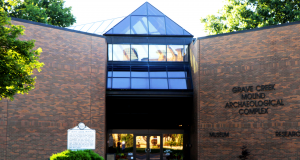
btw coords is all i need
(148, 147)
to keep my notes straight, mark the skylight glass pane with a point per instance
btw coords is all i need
(109, 32)
(186, 55)
(142, 10)
(103, 26)
(157, 53)
(139, 83)
(158, 84)
(139, 25)
(139, 74)
(139, 53)
(177, 84)
(176, 74)
(185, 32)
(175, 53)
(158, 74)
(121, 83)
(123, 27)
(154, 11)
(108, 83)
(121, 74)
(173, 28)
(121, 52)
(156, 25)
(110, 52)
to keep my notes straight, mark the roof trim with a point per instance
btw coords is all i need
(250, 30)
(54, 27)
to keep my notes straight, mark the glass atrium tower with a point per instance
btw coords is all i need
(149, 86)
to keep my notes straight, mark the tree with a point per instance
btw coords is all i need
(17, 59)
(238, 15)
(45, 11)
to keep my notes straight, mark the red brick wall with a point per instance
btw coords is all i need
(267, 56)
(69, 89)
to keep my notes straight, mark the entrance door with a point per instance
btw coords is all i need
(148, 147)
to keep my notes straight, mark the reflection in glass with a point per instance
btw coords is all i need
(186, 51)
(109, 52)
(139, 83)
(154, 11)
(121, 83)
(139, 52)
(121, 74)
(142, 10)
(121, 52)
(121, 144)
(173, 146)
(157, 53)
(123, 27)
(156, 25)
(108, 83)
(154, 152)
(180, 74)
(175, 53)
(139, 25)
(177, 84)
(139, 74)
(173, 28)
(141, 145)
(158, 74)
(158, 84)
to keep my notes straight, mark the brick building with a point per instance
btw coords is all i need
(152, 91)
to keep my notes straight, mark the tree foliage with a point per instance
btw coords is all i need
(238, 15)
(45, 11)
(17, 59)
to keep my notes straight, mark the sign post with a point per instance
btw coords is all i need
(81, 137)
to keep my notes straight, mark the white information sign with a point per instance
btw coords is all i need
(81, 137)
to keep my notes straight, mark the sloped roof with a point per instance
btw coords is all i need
(98, 27)
(147, 20)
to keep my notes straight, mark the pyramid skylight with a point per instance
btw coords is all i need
(147, 20)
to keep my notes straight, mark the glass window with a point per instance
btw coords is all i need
(175, 53)
(139, 83)
(139, 52)
(121, 74)
(108, 83)
(154, 11)
(176, 74)
(142, 10)
(120, 144)
(123, 27)
(172, 146)
(177, 84)
(121, 52)
(109, 52)
(185, 54)
(157, 52)
(173, 28)
(186, 33)
(156, 25)
(109, 74)
(109, 32)
(158, 74)
(121, 83)
(158, 84)
(139, 74)
(139, 25)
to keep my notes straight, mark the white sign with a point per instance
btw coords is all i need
(81, 138)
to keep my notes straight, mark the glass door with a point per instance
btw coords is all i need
(141, 147)
(154, 146)
(148, 147)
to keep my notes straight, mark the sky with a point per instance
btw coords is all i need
(186, 13)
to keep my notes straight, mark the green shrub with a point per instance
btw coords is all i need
(76, 155)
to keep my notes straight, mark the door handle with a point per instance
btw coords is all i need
(147, 149)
